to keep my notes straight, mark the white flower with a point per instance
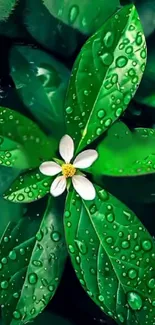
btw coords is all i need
(84, 160)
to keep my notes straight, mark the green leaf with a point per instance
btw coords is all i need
(41, 83)
(35, 255)
(105, 76)
(87, 16)
(125, 153)
(29, 187)
(27, 134)
(113, 255)
(9, 213)
(7, 176)
(146, 92)
(52, 33)
(6, 8)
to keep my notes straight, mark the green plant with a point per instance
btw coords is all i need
(111, 251)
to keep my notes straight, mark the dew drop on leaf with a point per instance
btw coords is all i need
(107, 58)
(74, 11)
(13, 255)
(33, 278)
(151, 283)
(146, 245)
(121, 61)
(108, 39)
(4, 284)
(81, 246)
(17, 315)
(132, 274)
(134, 301)
(55, 236)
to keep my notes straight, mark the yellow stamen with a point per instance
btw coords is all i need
(68, 170)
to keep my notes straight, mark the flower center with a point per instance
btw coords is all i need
(68, 170)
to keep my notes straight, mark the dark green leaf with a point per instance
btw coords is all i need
(51, 33)
(87, 16)
(6, 8)
(105, 76)
(126, 153)
(7, 176)
(9, 213)
(113, 255)
(146, 92)
(28, 187)
(35, 254)
(27, 134)
(41, 82)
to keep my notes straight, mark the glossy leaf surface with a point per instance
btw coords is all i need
(113, 256)
(126, 153)
(28, 187)
(6, 8)
(84, 15)
(32, 260)
(105, 76)
(41, 83)
(52, 33)
(26, 133)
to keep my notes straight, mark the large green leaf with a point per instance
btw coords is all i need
(28, 187)
(6, 8)
(33, 254)
(126, 153)
(41, 83)
(52, 33)
(87, 16)
(30, 139)
(113, 256)
(146, 91)
(105, 76)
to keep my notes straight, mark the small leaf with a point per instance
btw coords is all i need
(34, 264)
(41, 83)
(27, 134)
(87, 16)
(126, 153)
(6, 8)
(29, 187)
(105, 76)
(52, 33)
(113, 255)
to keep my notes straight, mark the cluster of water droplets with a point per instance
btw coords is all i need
(106, 76)
(115, 264)
(30, 269)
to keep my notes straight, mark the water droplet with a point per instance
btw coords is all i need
(109, 240)
(104, 195)
(121, 61)
(4, 284)
(6, 239)
(17, 314)
(101, 113)
(129, 50)
(143, 54)
(4, 260)
(67, 214)
(108, 39)
(151, 283)
(69, 110)
(131, 27)
(139, 39)
(101, 298)
(55, 236)
(134, 301)
(51, 288)
(125, 244)
(20, 197)
(22, 251)
(81, 246)
(13, 255)
(37, 263)
(107, 58)
(74, 11)
(71, 249)
(99, 131)
(147, 245)
(114, 78)
(108, 122)
(132, 274)
(16, 295)
(33, 278)
(93, 209)
(39, 235)
(127, 99)
(110, 217)
(119, 112)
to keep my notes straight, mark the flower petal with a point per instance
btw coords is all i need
(58, 186)
(84, 187)
(50, 168)
(85, 159)
(66, 148)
